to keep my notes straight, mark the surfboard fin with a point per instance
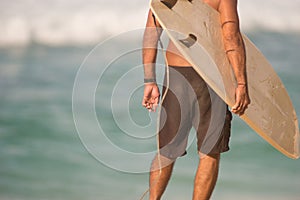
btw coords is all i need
(189, 41)
(169, 3)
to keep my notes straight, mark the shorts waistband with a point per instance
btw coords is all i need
(178, 66)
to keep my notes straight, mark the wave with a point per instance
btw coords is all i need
(270, 15)
(85, 22)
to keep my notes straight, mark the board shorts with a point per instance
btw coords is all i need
(190, 102)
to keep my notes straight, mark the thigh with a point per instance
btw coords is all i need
(209, 118)
(175, 119)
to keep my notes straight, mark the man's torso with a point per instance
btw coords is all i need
(174, 57)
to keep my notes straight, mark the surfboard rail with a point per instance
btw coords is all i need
(271, 113)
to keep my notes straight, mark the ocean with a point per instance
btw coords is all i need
(71, 121)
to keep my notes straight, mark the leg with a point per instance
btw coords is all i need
(159, 178)
(206, 176)
(173, 132)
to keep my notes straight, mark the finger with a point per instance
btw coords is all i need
(152, 101)
(144, 103)
(238, 110)
(149, 108)
(241, 113)
(243, 108)
(155, 107)
(239, 104)
(156, 100)
(235, 107)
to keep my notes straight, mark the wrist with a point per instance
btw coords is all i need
(149, 80)
(242, 84)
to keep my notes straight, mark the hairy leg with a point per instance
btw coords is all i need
(159, 178)
(206, 176)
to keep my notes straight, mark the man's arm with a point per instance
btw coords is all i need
(235, 50)
(150, 41)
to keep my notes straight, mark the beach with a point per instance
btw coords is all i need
(72, 124)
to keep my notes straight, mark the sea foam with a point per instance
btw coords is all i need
(87, 22)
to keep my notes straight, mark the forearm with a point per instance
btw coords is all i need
(237, 59)
(149, 59)
(232, 38)
(235, 51)
(150, 40)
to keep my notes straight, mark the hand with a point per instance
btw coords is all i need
(242, 100)
(151, 96)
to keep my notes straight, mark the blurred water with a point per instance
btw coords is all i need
(88, 21)
(42, 157)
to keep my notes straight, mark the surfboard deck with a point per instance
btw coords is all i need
(194, 27)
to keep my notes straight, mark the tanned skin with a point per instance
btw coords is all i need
(207, 172)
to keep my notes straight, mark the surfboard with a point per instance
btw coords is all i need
(194, 27)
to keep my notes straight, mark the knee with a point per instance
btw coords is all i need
(160, 162)
(210, 160)
(215, 156)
